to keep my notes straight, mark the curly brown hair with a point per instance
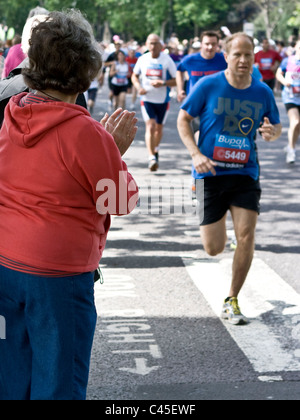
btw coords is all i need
(63, 54)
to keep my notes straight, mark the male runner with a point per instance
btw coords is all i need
(268, 61)
(153, 76)
(203, 63)
(231, 106)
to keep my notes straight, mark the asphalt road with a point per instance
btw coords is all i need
(159, 335)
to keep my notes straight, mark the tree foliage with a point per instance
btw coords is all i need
(273, 12)
(294, 20)
(137, 18)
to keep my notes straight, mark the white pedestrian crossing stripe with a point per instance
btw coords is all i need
(271, 341)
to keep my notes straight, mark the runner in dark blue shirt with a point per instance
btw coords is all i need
(204, 63)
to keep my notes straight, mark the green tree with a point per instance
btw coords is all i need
(294, 21)
(134, 18)
(14, 13)
(272, 16)
(138, 18)
(200, 14)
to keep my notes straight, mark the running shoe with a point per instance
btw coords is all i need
(153, 164)
(233, 244)
(290, 155)
(232, 313)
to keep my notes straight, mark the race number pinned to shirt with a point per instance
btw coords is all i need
(295, 84)
(266, 63)
(121, 80)
(155, 71)
(293, 75)
(232, 151)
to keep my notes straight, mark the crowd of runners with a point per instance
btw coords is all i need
(275, 63)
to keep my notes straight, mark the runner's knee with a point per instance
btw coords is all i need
(246, 237)
(214, 247)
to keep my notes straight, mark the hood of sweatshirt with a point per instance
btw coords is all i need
(26, 126)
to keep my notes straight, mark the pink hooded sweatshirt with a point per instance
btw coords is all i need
(61, 176)
(14, 57)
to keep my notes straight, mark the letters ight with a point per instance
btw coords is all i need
(2, 328)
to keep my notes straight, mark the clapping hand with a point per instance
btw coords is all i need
(122, 126)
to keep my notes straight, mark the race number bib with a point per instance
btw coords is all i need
(296, 85)
(122, 80)
(155, 71)
(266, 63)
(231, 151)
(293, 75)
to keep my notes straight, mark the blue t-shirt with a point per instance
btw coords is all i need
(198, 67)
(229, 118)
(256, 73)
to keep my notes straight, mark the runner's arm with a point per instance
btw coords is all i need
(201, 163)
(275, 66)
(170, 82)
(113, 70)
(135, 78)
(280, 77)
(180, 86)
(162, 83)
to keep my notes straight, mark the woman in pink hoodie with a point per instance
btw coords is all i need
(61, 178)
(14, 57)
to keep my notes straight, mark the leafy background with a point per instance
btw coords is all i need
(137, 18)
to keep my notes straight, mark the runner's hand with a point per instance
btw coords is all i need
(157, 83)
(181, 96)
(267, 130)
(203, 164)
(142, 91)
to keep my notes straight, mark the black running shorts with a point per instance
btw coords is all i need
(222, 192)
(289, 106)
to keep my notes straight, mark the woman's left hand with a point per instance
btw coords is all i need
(122, 126)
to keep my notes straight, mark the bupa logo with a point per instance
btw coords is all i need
(2, 328)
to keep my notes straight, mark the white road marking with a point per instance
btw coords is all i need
(141, 367)
(270, 378)
(271, 341)
(123, 325)
(120, 234)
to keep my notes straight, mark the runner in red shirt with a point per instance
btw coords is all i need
(131, 59)
(268, 61)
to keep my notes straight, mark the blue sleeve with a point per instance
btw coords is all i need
(196, 99)
(283, 64)
(256, 73)
(272, 111)
(181, 66)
